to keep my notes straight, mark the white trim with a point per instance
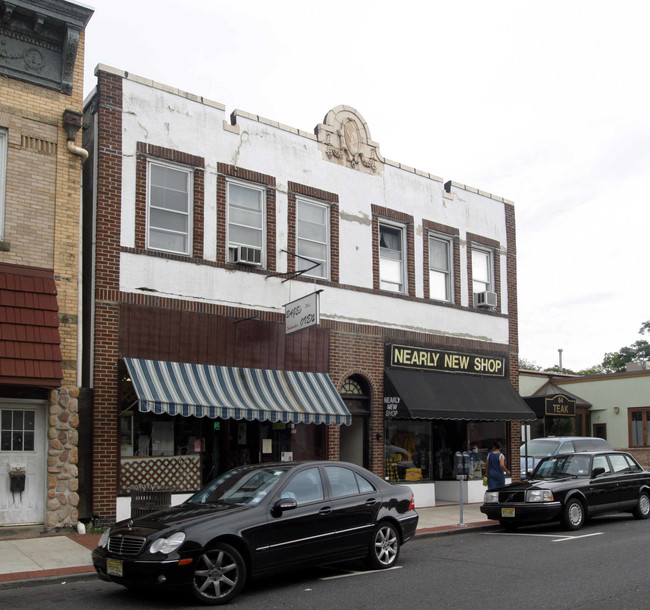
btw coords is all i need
(189, 171)
(328, 235)
(402, 228)
(449, 240)
(262, 192)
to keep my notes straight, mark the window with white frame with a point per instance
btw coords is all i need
(392, 259)
(482, 270)
(440, 268)
(169, 208)
(246, 211)
(3, 179)
(17, 428)
(313, 238)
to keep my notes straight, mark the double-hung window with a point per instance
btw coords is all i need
(392, 259)
(169, 209)
(246, 212)
(482, 271)
(313, 238)
(440, 269)
(3, 180)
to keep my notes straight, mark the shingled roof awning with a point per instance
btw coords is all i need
(30, 344)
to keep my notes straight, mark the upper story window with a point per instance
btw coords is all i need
(392, 259)
(313, 238)
(3, 179)
(169, 210)
(440, 269)
(482, 271)
(246, 214)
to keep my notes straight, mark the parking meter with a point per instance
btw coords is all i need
(462, 463)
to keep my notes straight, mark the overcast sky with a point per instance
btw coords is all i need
(544, 103)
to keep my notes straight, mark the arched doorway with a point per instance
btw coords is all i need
(354, 439)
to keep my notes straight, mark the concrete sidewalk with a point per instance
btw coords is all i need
(28, 558)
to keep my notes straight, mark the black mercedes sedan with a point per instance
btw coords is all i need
(257, 519)
(571, 488)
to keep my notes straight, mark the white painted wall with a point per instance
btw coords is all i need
(165, 118)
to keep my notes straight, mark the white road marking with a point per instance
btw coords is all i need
(358, 573)
(557, 537)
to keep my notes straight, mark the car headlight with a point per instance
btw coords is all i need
(167, 545)
(103, 540)
(539, 495)
(491, 496)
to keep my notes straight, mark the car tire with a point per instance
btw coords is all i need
(642, 508)
(384, 547)
(219, 575)
(574, 514)
(508, 524)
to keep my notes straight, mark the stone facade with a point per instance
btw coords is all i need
(62, 459)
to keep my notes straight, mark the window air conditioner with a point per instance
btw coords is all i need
(486, 299)
(246, 255)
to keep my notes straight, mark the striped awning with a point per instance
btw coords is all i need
(226, 392)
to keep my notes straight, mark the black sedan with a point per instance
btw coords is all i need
(257, 519)
(571, 488)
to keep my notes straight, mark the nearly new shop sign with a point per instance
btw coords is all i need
(420, 358)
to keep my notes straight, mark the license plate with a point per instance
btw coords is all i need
(507, 512)
(114, 567)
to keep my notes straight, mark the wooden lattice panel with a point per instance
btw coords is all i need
(175, 472)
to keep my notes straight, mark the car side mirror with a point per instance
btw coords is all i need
(284, 504)
(597, 472)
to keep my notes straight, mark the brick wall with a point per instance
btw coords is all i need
(106, 323)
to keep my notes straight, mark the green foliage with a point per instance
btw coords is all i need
(529, 365)
(614, 362)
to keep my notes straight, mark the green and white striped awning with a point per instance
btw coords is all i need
(226, 392)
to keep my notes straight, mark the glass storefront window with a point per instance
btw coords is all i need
(481, 437)
(407, 450)
(424, 450)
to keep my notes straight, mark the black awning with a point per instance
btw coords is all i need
(427, 395)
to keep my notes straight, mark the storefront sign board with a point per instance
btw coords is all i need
(302, 313)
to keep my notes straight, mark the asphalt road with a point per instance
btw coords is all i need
(604, 565)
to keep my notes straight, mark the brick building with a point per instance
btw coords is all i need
(41, 100)
(260, 293)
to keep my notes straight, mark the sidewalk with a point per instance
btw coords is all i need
(28, 558)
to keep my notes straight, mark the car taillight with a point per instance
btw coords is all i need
(412, 503)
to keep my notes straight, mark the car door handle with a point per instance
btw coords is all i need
(371, 501)
(326, 510)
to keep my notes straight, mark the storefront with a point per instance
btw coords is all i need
(439, 402)
(559, 413)
(182, 424)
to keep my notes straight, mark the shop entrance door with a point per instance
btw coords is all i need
(22, 446)
(354, 439)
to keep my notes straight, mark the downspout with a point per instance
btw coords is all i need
(77, 150)
(72, 124)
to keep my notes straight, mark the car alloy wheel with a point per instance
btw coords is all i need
(219, 575)
(573, 517)
(384, 548)
(642, 509)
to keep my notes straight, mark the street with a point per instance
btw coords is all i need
(605, 564)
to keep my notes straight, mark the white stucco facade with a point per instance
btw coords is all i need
(168, 118)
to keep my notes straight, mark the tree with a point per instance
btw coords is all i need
(614, 362)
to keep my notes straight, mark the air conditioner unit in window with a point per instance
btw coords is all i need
(486, 299)
(246, 255)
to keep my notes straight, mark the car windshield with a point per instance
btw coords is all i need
(539, 448)
(239, 486)
(562, 466)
